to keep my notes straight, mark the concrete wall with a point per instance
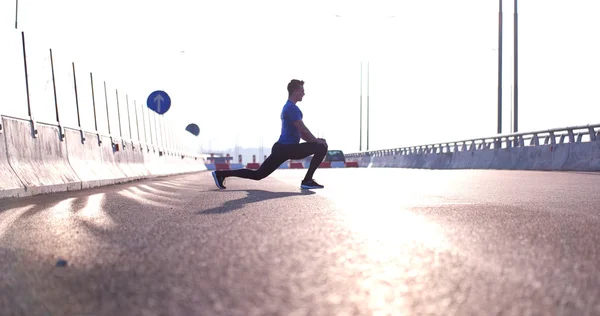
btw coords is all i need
(85, 157)
(10, 185)
(38, 161)
(577, 156)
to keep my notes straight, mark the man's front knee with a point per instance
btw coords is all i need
(322, 149)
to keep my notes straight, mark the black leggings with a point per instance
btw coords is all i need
(280, 153)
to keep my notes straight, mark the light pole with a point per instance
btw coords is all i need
(516, 77)
(361, 97)
(500, 69)
(367, 106)
(389, 17)
(16, 14)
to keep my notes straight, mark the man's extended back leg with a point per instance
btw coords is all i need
(267, 167)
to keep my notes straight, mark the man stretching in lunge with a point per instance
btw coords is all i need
(288, 146)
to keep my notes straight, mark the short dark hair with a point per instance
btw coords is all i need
(294, 85)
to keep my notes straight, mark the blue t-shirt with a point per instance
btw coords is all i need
(289, 132)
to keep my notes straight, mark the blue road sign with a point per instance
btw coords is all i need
(159, 102)
(193, 128)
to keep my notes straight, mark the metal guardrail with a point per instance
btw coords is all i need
(135, 122)
(575, 134)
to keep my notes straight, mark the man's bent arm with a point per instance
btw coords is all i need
(304, 132)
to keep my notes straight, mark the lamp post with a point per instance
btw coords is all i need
(516, 76)
(361, 97)
(16, 14)
(361, 107)
(367, 106)
(500, 69)
(389, 17)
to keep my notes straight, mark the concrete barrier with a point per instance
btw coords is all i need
(130, 159)
(570, 148)
(85, 157)
(542, 157)
(403, 160)
(506, 158)
(40, 162)
(235, 166)
(462, 159)
(438, 161)
(378, 161)
(582, 157)
(338, 164)
(325, 164)
(408, 160)
(538, 157)
(222, 166)
(167, 163)
(296, 165)
(151, 157)
(391, 161)
(429, 160)
(567, 156)
(351, 164)
(560, 154)
(482, 159)
(364, 162)
(139, 164)
(595, 156)
(10, 185)
(253, 165)
(109, 162)
(48, 163)
(419, 160)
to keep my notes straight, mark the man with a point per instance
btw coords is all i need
(288, 146)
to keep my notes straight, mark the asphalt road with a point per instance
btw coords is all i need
(373, 242)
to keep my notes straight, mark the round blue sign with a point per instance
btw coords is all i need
(193, 128)
(159, 102)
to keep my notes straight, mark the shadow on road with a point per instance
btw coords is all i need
(251, 197)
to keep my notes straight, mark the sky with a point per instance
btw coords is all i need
(432, 66)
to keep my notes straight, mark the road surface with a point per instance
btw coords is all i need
(373, 242)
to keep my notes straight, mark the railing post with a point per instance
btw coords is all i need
(129, 118)
(562, 139)
(77, 104)
(144, 125)
(571, 136)
(60, 128)
(137, 125)
(592, 134)
(150, 129)
(521, 141)
(94, 106)
(112, 141)
(535, 141)
(119, 113)
(34, 130)
(510, 141)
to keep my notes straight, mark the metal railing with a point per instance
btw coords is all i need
(136, 122)
(575, 134)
